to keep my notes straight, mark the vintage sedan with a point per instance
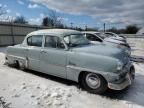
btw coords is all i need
(68, 54)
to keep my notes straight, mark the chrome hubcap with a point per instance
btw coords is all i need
(93, 81)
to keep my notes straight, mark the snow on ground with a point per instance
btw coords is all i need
(28, 89)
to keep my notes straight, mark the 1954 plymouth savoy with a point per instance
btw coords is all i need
(68, 54)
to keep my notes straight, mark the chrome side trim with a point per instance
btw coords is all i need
(80, 68)
(18, 57)
(105, 74)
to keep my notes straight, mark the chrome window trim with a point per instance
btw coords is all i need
(34, 36)
(44, 41)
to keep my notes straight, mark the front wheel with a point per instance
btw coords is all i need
(93, 83)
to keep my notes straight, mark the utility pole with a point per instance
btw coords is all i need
(85, 27)
(104, 27)
(11, 28)
(71, 25)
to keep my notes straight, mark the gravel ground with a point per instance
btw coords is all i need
(28, 89)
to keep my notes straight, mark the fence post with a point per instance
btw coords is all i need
(13, 40)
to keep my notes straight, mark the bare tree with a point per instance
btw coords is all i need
(131, 29)
(47, 22)
(57, 20)
(53, 20)
(20, 20)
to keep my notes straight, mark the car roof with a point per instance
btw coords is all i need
(54, 32)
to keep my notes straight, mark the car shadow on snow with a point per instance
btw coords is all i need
(53, 78)
(132, 95)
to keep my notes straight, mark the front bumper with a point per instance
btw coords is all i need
(120, 86)
(124, 79)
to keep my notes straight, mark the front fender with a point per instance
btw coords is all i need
(78, 62)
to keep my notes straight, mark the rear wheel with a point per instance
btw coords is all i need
(93, 83)
(19, 65)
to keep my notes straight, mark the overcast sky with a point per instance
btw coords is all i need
(80, 12)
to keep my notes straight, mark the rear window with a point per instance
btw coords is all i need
(35, 41)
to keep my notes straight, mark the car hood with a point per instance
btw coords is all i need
(118, 38)
(102, 49)
(114, 40)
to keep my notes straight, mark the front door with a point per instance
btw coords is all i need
(53, 57)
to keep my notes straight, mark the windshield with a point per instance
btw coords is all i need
(74, 40)
(109, 34)
(102, 35)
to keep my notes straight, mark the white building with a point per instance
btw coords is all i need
(141, 31)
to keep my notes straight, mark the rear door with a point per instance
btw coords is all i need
(33, 51)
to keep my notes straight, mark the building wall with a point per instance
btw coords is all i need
(11, 34)
(137, 45)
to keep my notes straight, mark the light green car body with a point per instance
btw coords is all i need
(110, 62)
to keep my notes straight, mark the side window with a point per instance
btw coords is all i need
(35, 41)
(29, 41)
(60, 44)
(50, 41)
(92, 38)
(54, 42)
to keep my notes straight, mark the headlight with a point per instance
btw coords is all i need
(119, 65)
